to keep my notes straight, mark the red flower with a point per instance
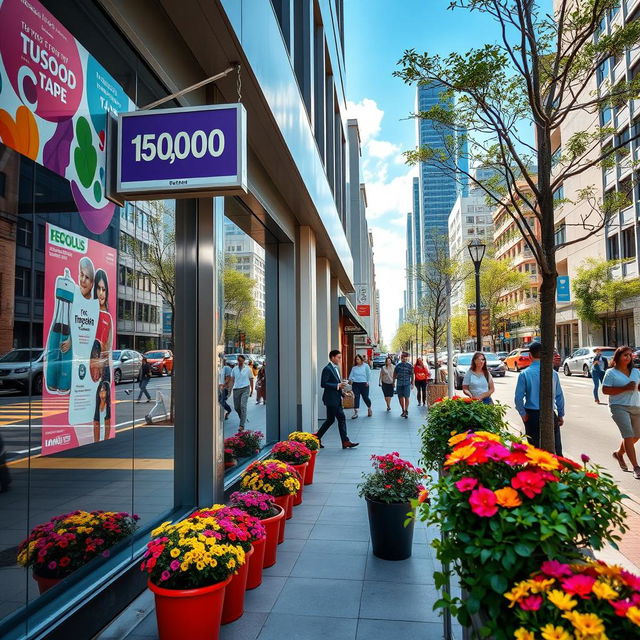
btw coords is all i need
(579, 585)
(530, 603)
(387, 486)
(555, 569)
(620, 607)
(531, 483)
(466, 484)
(483, 502)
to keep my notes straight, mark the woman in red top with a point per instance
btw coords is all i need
(421, 375)
(104, 331)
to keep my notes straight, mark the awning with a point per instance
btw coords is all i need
(352, 324)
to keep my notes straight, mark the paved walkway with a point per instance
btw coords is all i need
(326, 583)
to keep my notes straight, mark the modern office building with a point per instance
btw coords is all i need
(297, 208)
(410, 265)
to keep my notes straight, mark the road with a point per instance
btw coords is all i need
(16, 411)
(588, 427)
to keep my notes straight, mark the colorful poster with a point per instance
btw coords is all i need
(54, 98)
(79, 336)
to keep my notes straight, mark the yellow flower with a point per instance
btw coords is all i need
(549, 632)
(486, 435)
(633, 613)
(461, 454)
(538, 586)
(561, 600)
(521, 590)
(608, 570)
(603, 591)
(586, 624)
(213, 562)
(453, 441)
(175, 553)
(523, 634)
(231, 564)
(184, 566)
(542, 459)
(199, 566)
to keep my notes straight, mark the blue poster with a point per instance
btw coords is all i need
(563, 291)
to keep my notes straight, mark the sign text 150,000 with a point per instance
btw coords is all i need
(180, 146)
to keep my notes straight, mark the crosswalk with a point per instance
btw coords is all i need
(34, 411)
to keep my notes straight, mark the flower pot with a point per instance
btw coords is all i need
(286, 503)
(311, 467)
(189, 613)
(44, 582)
(234, 594)
(256, 562)
(390, 539)
(302, 471)
(272, 527)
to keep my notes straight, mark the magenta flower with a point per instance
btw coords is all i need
(530, 603)
(165, 575)
(466, 484)
(555, 569)
(483, 502)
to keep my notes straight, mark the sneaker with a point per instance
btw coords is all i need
(636, 473)
(127, 392)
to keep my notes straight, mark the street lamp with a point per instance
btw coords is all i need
(476, 251)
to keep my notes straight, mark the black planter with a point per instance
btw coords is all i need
(390, 539)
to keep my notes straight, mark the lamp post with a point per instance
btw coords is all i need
(476, 251)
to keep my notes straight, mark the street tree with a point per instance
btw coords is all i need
(403, 337)
(496, 277)
(459, 328)
(600, 291)
(239, 305)
(535, 76)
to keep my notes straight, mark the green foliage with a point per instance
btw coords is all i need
(402, 339)
(459, 328)
(393, 480)
(456, 415)
(598, 292)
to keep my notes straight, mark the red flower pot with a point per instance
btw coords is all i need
(256, 562)
(286, 502)
(302, 471)
(272, 527)
(311, 467)
(44, 583)
(189, 613)
(234, 594)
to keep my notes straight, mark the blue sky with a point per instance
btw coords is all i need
(376, 33)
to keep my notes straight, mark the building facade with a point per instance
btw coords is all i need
(297, 209)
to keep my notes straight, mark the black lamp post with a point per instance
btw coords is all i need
(476, 251)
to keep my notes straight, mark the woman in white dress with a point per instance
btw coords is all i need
(477, 382)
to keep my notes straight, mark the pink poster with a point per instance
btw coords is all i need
(79, 335)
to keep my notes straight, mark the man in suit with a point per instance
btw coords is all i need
(332, 384)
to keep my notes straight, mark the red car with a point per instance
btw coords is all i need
(520, 359)
(161, 362)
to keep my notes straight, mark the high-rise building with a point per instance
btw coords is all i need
(410, 301)
(418, 239)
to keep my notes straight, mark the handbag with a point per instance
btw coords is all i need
(348, 400)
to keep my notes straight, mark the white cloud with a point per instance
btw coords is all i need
(383, 149)
(392, 196)
(369, 117)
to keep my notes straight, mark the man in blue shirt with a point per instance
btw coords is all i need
(403, 375)
(527, 399)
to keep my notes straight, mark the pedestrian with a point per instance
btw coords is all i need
(332, 383)
(261, 384)
(477, 382)
(5, 477)
(242, 389)
(225, 383)
(442, 372)
(145, 376)
(254, 368)
(421, 375)
(598, 368)
(387, 381)
(527, 399)
(403, 376)
(621, 383)
(359, 378)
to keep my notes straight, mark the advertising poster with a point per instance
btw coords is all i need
(79, 336)
(54, 98)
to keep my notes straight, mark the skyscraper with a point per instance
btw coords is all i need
(409, 302)
(438, 186)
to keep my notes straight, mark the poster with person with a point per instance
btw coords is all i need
(79, 336)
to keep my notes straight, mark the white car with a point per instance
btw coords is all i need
(580, 360)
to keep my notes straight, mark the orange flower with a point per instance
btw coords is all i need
(423, 496)
(455, 439)
(459, 455)
(543, 459)
(508, 497)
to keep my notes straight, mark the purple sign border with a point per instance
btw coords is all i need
(146, 188)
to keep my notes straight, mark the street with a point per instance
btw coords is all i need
(588, 427)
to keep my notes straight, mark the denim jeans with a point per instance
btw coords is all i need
(143, 388)
(597, 377)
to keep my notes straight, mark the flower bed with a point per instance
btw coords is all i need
(236, 525)
(245, 443)
(505, 507)
(256, 504)
(449, 416)
(67, 542)
(274, 477)
(291, 451)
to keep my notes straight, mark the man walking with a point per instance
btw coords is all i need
(598, 367)
(242, 389)
(145, 376)
(527, 399)
(225, 382)
(331, 382)
(403, 375)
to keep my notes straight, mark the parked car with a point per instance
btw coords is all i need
(462, 361)
(161, 362)
(21, 369)
(636, 358)
(502, 355)
(581, 359)
(518, 360)
(378, 361)
(126, 365)
(496, 367)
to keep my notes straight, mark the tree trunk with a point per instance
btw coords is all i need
(547, 337)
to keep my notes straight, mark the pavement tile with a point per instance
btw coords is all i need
(337, 547)
(344, 514)
(246, 628)
(321, 597)
(327, 531)
(284, 564)
(262, 599)
(280, 626)
(411, 571)
(397, 601)
(387, 629)
(336, 566)
(299, 530)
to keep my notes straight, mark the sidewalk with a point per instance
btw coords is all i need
(326, 582)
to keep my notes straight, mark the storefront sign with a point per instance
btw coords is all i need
(353, 330)
(78, 396)
(563, 290)
(363, 304)
(54, 98)
(193, 150)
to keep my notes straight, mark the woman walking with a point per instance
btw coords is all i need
(599, 367)
(386, 381)
(477, 382)
(359, 379)
(261, 384)
(145, 376)
(621, 383)
(421, 375)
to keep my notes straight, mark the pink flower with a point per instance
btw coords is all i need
(466, 484)
(165, 575)
(579, 585)
(620, 607)
(585, 458)
(531, 483)
(175, 565)
(496, 451)
(530, 603)
(555, 569)
(483, 502)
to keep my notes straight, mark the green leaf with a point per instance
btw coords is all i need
(498, 583)
(523, 549)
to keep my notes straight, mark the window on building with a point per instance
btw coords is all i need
(39, 285)
(629, 242)
(613, 251)
(560, 234)
(24, 232)
(23, 282)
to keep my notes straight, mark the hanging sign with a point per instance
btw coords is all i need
(563, 290)
(182, 152)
